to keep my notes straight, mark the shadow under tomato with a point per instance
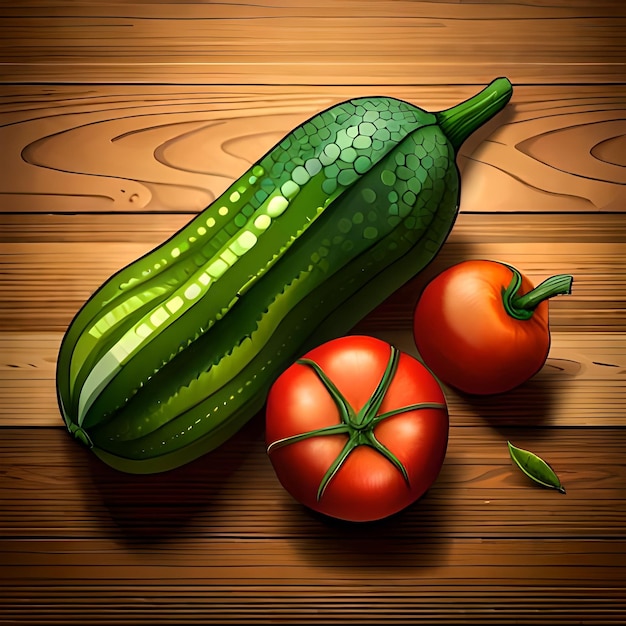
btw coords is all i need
(530, 405)
(414, 537)
(153, 508)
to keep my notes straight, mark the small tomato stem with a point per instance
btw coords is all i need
(522, 307)
(553, 286)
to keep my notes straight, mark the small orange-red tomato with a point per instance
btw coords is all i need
(356, 429)
(482, 327)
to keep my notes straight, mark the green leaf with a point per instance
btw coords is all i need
(535, 467)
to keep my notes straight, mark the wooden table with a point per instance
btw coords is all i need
(119, 122)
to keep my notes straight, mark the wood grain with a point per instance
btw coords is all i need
(339, 602)
(581, 384)
(148, 149)
(54, 488)
(219, 536)
(64, 267)
(286, 42)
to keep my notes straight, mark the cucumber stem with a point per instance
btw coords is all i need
(460, 121)
(522, 307)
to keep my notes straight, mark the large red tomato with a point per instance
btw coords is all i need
(356, 429)
(482, 327)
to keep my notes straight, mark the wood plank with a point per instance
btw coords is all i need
(330, 603)
(198, 603)
(137, 228)
(44, 283)
(54, 489)
(318, 561)
(282, 41)
(581, 384)
(102, 148)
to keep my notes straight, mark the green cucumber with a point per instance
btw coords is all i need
(177, 351)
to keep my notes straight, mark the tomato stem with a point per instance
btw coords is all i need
(345, 409)
(370, 409)
(351, 444)
(522, 307)
(337, 429)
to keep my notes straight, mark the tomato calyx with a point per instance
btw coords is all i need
(522, 307)
(357, 425)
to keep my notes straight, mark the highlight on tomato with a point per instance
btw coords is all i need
(482, 327)
(356, 429)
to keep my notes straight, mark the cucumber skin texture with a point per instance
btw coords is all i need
(369, 212)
